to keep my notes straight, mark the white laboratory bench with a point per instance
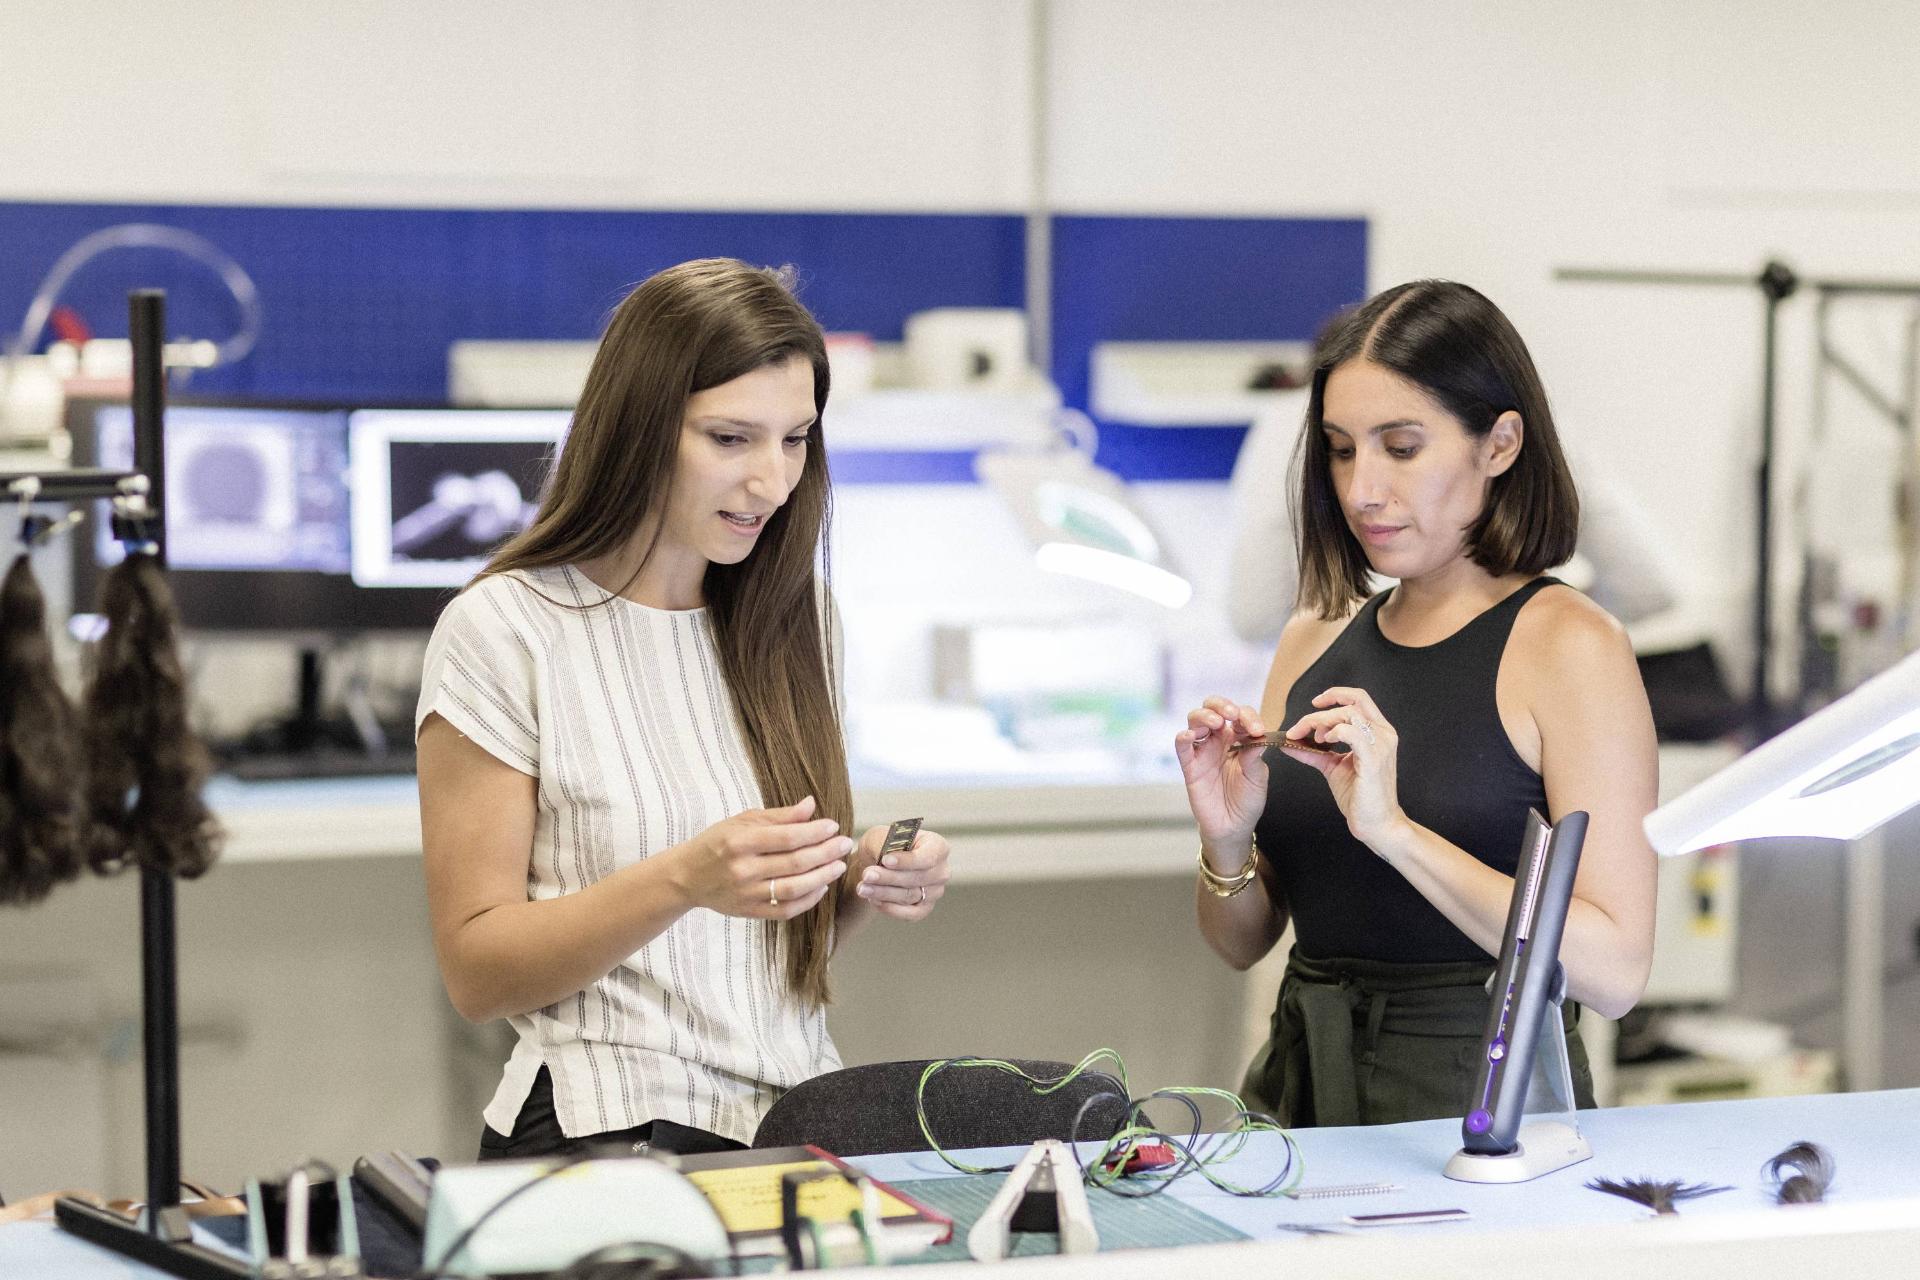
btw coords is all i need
(1000, 833)
(307, 970)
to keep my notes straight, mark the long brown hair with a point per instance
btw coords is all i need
(42, 827)
(1452, 342)
(689, 328)
(138, 741)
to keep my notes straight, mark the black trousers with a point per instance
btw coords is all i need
(536, 1132)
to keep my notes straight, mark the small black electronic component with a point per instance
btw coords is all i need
(900, 836)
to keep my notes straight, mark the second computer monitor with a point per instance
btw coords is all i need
(435, 491)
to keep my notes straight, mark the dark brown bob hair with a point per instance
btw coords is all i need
(688, 328)
(1454, 344)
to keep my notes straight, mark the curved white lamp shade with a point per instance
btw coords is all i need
(1839, 773)
(1082, 522)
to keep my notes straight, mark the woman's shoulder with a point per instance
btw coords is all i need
(1561, 634)
(1307, 635)
(501, 603)
(1303, 641)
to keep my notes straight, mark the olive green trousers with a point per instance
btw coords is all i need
(1370, 1042)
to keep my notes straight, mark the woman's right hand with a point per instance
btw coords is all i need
(1226, 789)
(764, 864)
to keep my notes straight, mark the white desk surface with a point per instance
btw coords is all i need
(1874, 1139)
(1871, 1227)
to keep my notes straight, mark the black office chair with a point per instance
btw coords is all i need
(862, 1111)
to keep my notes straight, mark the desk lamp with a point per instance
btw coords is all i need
(1080, 518)
(1838, 774)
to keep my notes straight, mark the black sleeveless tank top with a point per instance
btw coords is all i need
(1459, 777)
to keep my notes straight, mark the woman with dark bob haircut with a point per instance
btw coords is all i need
(1474, 689)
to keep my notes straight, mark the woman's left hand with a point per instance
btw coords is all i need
(1366, 780)
(902, 885)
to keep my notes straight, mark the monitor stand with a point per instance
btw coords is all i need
(1550, 1136)
(303, 730)
(310, 744)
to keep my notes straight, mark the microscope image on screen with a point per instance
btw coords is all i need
(433, 498)
(246, 488)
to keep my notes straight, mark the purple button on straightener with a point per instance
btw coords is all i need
(1479, 1121)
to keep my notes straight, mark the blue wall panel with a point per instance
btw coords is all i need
(361, 304)
(1193, 280)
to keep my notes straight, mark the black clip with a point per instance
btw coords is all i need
(134, 523)
(35, 528)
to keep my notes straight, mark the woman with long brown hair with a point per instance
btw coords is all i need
(633, 782)
(1473, 690)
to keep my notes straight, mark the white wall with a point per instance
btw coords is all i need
(660, 104)
(1492, 142)
(1486, 141)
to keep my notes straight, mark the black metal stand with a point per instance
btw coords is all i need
(1776, 283)
(175, 1257)
(161, 1238)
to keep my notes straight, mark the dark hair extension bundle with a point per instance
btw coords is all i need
(1801, 1174)
(145, 766)
(1661, 1197)
(42, 830)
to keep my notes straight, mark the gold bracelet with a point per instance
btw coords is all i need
(1227, 886)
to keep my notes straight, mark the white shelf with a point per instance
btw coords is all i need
(1185, 384)
(913, 419)
(886, 417)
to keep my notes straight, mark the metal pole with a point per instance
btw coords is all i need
(160, 1009)
(1039, 238)
(1863, 982)
(1760, 714)
(147, 326)
(1776, 282)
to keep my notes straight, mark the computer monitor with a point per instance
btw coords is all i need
(435, 490)
(259, 530)
(247, 489)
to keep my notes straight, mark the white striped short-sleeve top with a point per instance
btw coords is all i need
(621, 713)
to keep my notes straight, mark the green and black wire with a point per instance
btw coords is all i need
(1197, 1153)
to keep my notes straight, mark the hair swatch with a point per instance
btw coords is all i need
(1661, 1197)
(42, 825)
(145, 765)
(1801, 1174)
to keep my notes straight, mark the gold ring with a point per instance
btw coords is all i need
(773, 893)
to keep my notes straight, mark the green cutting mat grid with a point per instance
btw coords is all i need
(1151, 1223)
